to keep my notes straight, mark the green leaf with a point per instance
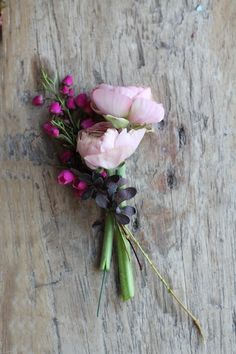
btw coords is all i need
(117, 122)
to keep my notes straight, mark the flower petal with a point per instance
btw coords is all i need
(146, 111)
(111, 102)
(146, 93)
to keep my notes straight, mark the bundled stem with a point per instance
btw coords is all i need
(124, 257)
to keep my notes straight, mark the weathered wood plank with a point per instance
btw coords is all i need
(185, 173)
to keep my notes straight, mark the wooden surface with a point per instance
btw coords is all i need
(185, 174)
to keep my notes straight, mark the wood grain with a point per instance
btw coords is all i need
(185, 173)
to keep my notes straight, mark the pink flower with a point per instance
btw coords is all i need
(81, 100)
(65, 177)
(50, 130)
(64, 90)
(133, 103)
(66, 156)
(103, 146)
(71, 93)
(55, 108)
(70, 103)
(68, 80)
(79, 193)
(80, 185)
(104, 174)
(87, 123)
(37, 100)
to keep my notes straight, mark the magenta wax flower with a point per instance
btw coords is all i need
(55, 108)
(71, 93)
(64, 90)
(65, 177)
(81, 100)
(37, 100)
(80, 185)
(87, 123)
(104, 174)
(88, 108)
(71, 103)
(79, 193)
(65, 156)
(50, 130)
(68, 80)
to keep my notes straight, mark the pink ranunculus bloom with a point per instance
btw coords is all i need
(66, 156)
(55, 108)
(68, 80)
(37, 100)
(50, 130)
(81, 100)
(65, 177)
(87, 123)
(133, 103)
(71, 103)
(103, 146)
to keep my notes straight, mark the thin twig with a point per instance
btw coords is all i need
(164, 282)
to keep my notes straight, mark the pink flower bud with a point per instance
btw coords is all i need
(65, 156)
(68, 80)
(70, 103)
(81, 100)
(37, 100)
(50, 130)
(79, 193)
(104, 174)
(64, 90)
(65, 177)
(55, 108)
(80, 185)
(88, 108)
(87, 123)
(71, 93)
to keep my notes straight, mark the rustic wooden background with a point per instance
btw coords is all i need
(185, 174)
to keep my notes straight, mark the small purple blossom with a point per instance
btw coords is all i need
(68, 80)
(55, 108)
(87, 123)
(65, 177)
(37, 100)
(50, 130)
(71, 103)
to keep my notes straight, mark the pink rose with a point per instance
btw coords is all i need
(103, 146)
(133, 103)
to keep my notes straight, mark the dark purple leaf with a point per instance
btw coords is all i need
(125, 194)
(128, 210)
(102, 200)
(88, 194)
(112, 188)
(122, 219)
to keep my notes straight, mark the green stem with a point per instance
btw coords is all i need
(107, 243)
(124, 257)
(124, 266)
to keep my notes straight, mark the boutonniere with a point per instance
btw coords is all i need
(97, 133)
